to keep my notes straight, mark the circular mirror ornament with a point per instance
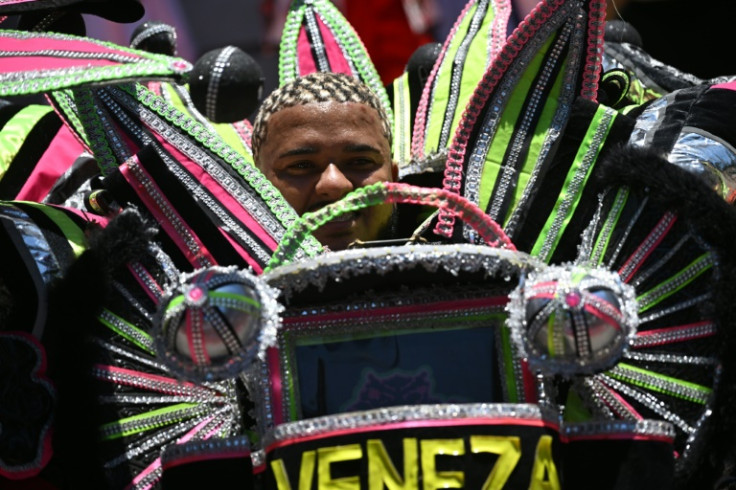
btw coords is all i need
(572, 320)
(213, 323)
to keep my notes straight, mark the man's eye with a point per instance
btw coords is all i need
(300, 166)
(363, 162)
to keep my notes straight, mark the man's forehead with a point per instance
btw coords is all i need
(312, 109)
(314, 119)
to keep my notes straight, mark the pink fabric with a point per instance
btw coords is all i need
(529, 383)
(57, 159)
(91, 218)
(44, 43)
(275, 385)
(726, 86)
(338, 62)
(304, 54)
(36, 63)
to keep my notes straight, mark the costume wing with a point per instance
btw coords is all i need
(507, 137)
(471, 46)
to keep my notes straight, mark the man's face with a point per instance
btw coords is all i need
(317, 153)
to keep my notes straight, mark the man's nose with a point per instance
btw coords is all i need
(333, 184)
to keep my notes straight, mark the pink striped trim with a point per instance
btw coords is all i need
(616, 324)
(14, 2)
(454, 204)
(41, 63)
(623, 436)
(154, 295)
(593, 50)
(257, 267)
(203, 257)
(245, 132)
(200, 355)
(156, 464)
(620, 399)
(670, 335)
(43, 42)
(155, 378)
(645, 249)
(221, 195)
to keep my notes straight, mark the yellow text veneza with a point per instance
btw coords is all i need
(419, 465)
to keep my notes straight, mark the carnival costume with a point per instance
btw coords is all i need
(560, 315)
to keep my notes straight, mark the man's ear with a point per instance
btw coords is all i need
(395, 171)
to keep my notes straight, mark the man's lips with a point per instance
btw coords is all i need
(345, 217)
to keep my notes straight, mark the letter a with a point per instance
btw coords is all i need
(544, 472)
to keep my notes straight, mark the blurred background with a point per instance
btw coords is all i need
(692, 35)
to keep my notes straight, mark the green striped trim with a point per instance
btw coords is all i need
(216, 295)
(574, 184)
(614, 215)
(87, 110)
(402, 120)
(507, 127)
(346, 37)
(150, 420)
(474, 66)
(678, 388)
(15, 131)
(537, 143)
(676, 283)
(127, 330)
(63, 100)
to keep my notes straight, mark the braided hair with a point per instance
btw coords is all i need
(315, 88)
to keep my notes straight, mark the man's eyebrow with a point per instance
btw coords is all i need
(295, 152)
(310, 150)
(360, 148)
